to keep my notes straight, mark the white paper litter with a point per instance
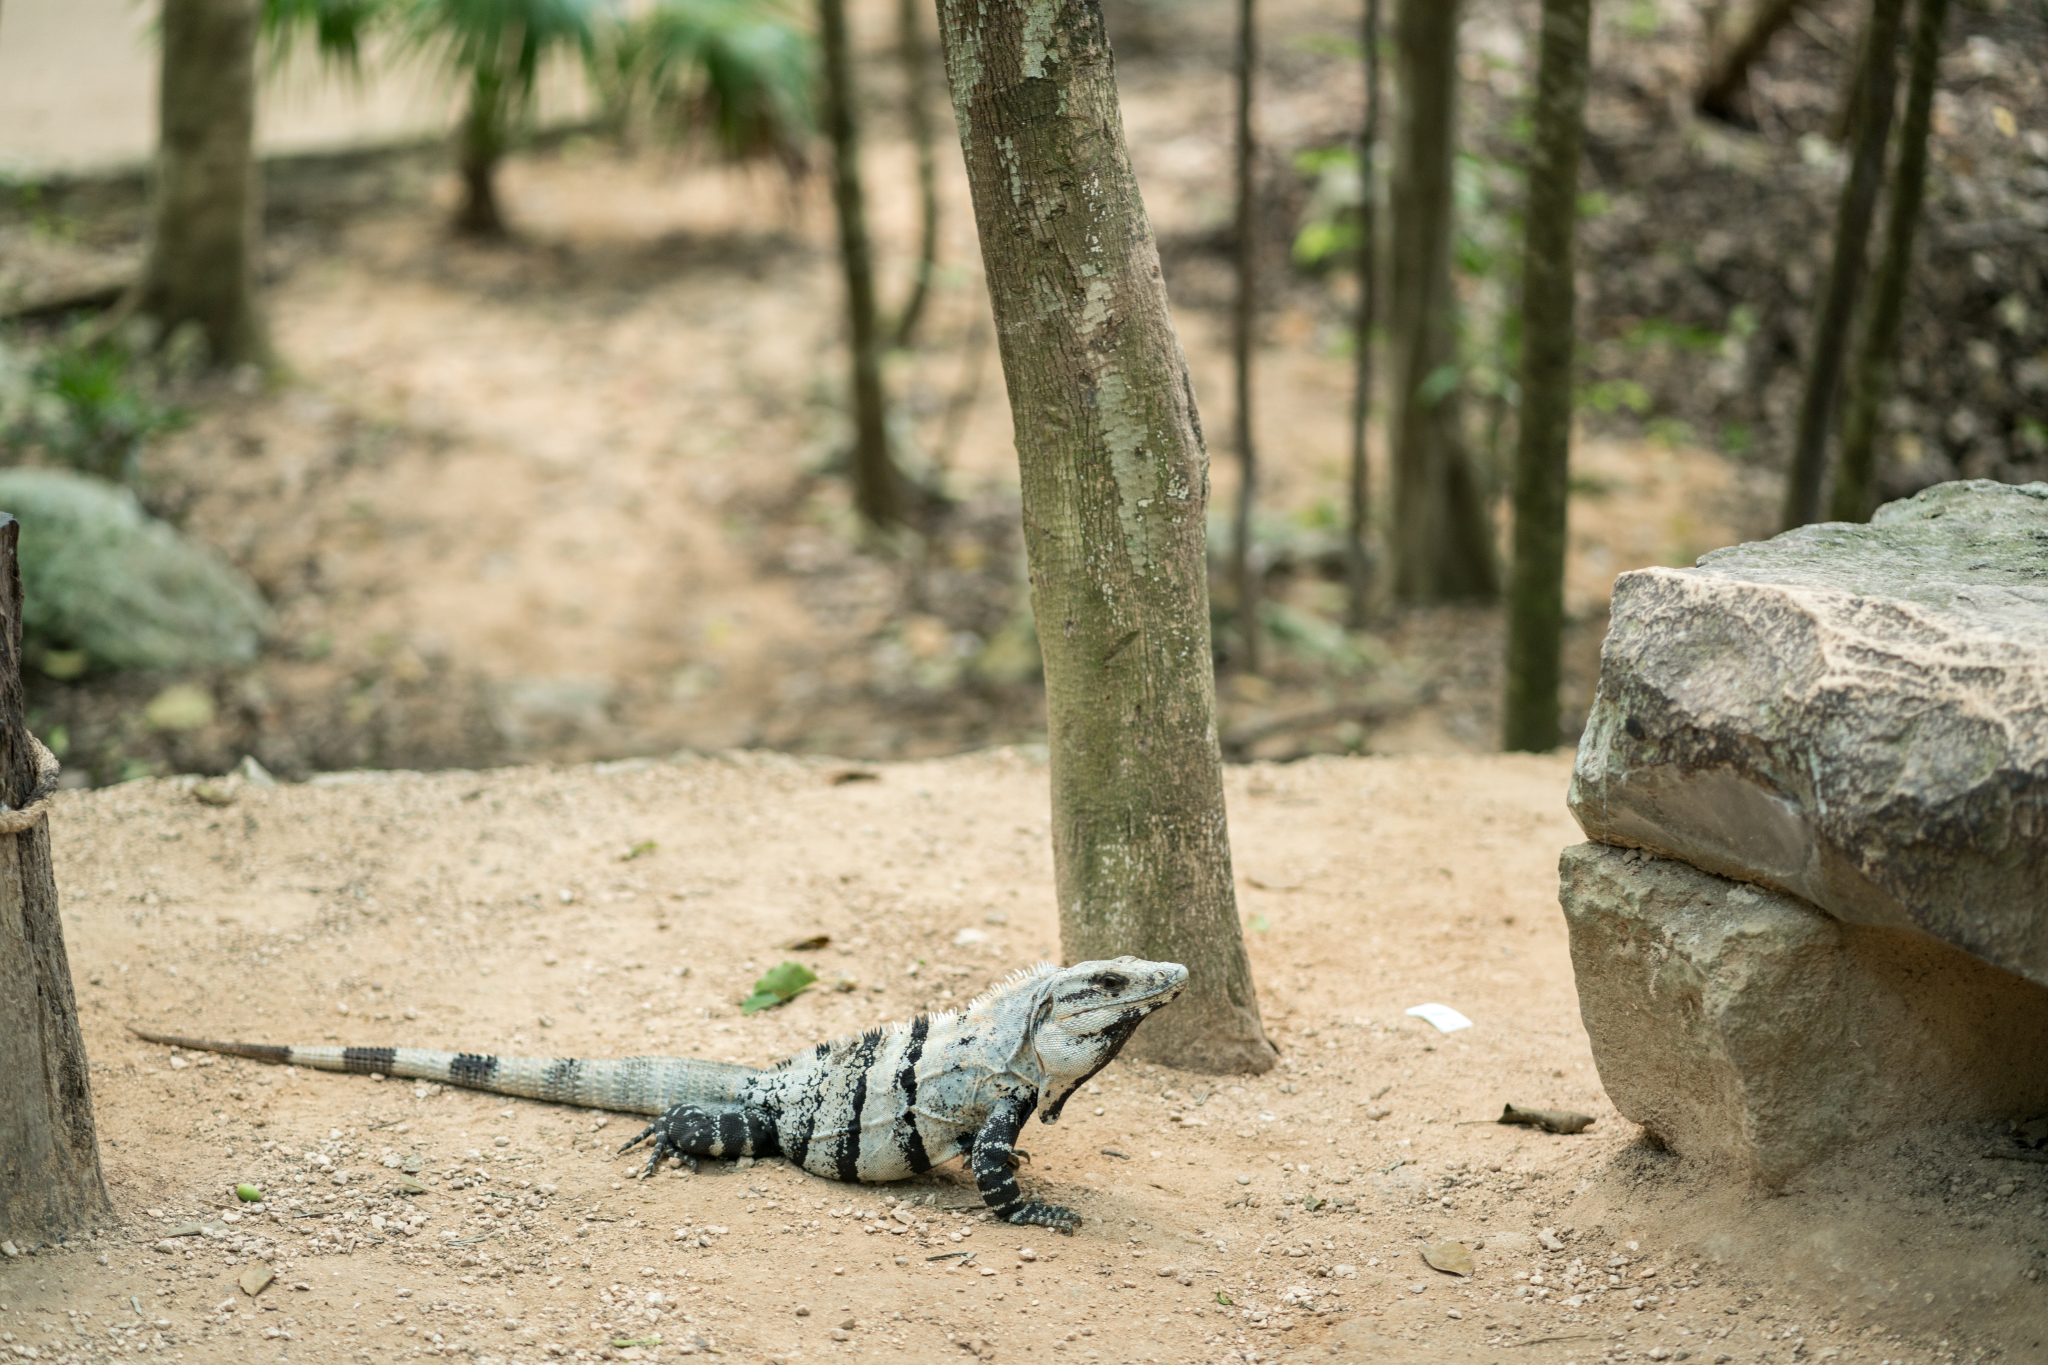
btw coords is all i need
(1446, 1019)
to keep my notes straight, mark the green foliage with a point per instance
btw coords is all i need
(338, 27)
(85, 403)
(1329, 221)
(1663, 331)
(740, 69)
(779, 985)
(102, 578)
(1610, 396)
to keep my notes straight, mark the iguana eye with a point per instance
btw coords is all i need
(1110, 981)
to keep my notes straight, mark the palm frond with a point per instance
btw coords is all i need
(499, 43)
(338, 27)
(740, 70)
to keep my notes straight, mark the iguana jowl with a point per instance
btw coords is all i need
(882, 1105)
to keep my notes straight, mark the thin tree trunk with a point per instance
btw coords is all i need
(1543, 453)
(482, 148)
(1871, 375)
(1845, 273)
(202, 255)
(877, 486)
(917, 108)
(1357, 563)
(1115, 488)
(50, 1180)
(1727, 76)
(1441, 531)
(1244, 321)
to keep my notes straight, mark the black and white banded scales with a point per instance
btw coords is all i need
(877, 1106)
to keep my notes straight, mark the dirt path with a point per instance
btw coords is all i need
(1227, 1218)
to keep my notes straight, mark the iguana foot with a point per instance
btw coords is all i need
(1052, 1216)
(665, 1131)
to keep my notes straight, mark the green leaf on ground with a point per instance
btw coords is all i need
(778, 986)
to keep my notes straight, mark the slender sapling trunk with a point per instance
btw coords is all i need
(1357, 561)
(1871, 374)
(1244, 323)
(1845, 272)
(877, 486)
(1543, 452)
(917, 108)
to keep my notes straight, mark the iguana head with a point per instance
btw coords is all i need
(1085, 1015)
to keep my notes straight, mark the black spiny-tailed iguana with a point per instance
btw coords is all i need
(882, 1105)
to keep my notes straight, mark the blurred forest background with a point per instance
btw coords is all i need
(572, 474)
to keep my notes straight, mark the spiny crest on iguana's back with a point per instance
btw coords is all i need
(936, 1022)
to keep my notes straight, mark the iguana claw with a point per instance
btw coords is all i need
(1060, 1220)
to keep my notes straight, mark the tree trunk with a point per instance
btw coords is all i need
(50, 1181)
(1357, 562)
(1872, 372)
(202, 254)
(1441, 531)
(1845, 273)
(1543, 454)
(1244, 322)
(482, 148)
(917, 108)
(1115, 487)
(1727, 76)
(877, 486)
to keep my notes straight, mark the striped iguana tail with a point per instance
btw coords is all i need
(632, 1085)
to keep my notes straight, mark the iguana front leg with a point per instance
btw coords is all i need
(995, 1171)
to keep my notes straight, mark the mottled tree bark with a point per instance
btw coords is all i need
(1871, 375)
(1441, 532)
(50, 1180)
(1115, 486)
(1543, 453)
(1358, 525)
(877, 484)
(201, 267)
(1243, 326)
(1845, 281)
(917, 109)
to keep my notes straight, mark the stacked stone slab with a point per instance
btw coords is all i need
(1827, 755)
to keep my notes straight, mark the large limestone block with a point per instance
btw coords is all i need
(1744, 1028)
(1855, 714)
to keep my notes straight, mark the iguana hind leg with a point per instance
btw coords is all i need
(688, 1131)
(995, 1172)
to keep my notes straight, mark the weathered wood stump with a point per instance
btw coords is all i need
(50, 1179)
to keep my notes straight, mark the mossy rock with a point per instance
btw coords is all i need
(102, 577)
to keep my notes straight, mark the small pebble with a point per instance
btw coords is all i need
(1027, 1254)
(1454, 1313)
(1244, 1180)
(803, 1310)
(1417, 1288)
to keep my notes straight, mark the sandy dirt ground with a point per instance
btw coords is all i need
(625, 908)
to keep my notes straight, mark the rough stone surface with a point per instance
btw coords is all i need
(1742, 1027)
(1855, 714)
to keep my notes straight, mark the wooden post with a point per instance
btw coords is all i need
(50, 1180)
